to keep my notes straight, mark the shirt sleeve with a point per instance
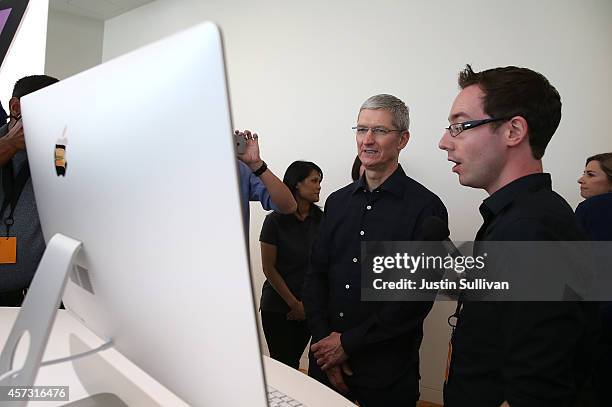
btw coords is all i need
(269, 231)
(393, 319)
(257, 191)
(316, 281)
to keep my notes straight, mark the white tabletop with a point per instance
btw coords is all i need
(109, 371)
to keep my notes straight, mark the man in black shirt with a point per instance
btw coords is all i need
(368, 350)
(512, 353)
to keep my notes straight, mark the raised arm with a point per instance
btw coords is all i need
(279, 193)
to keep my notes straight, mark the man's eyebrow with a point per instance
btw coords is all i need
(453, 118)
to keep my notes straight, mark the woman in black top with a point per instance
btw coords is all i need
(285, 250)
(595, 216)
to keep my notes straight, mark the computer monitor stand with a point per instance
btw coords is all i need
(38, 312)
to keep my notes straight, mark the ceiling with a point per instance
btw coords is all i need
(97, 9)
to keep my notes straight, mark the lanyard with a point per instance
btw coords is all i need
(13, 187)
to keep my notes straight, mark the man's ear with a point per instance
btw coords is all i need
(404, 137)
(517, 131)
(14, 107)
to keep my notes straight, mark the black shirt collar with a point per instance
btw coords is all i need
(509, 193)
(394, 184)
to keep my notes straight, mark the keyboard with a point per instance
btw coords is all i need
(279, 399)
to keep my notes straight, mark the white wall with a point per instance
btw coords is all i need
(74, 44)
(26, 56)
(298, 73)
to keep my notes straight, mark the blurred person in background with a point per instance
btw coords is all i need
(595, 216)
(286, 240)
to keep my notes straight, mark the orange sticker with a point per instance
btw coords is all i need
(8, 250)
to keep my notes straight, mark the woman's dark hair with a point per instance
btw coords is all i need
(355, 169)
(605, 162)
(298, 171)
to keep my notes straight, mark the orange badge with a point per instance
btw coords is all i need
(8, 250)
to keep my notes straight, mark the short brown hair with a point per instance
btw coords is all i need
(511, 91)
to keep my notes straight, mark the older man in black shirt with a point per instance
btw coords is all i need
(513, 353)
(368, 350)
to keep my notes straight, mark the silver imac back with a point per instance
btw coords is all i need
(135, 159)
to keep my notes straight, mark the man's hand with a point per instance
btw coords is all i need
(329, 352)
(11, 143)
(251, 155)
(15, 136)
(335, 377)
(297, 312)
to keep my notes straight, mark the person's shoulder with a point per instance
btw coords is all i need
(316, 212)
(595, 215)
(417, 190)
(338, 201)
(277, 217)
(545, 204)
(596, 203)
(342, 193)
(275, 221)
(542, 215)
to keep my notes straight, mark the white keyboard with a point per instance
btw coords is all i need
(280, 399)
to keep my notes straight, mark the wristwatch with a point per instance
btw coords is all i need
(261, 169)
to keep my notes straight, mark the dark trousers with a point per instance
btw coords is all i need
(403, 392)
(286, 339)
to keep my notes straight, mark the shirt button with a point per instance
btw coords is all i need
(354, 259)
(341, 314)
(347, 286)
(362, 233)
(369, 207)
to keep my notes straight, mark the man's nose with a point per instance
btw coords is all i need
(445, 142)
(369, 137)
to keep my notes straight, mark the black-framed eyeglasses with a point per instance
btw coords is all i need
(376, 131)
(456, 128)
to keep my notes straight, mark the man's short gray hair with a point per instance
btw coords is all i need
(399, 110)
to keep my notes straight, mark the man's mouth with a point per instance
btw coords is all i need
(456, 166)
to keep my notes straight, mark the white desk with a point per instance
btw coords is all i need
(109, 371)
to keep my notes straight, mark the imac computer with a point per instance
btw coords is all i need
(134, 159)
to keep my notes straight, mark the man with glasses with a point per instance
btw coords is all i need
(513, 353)
(368, 351)
(22, 243)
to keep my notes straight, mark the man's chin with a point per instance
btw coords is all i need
(466, 182)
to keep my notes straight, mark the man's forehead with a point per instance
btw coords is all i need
(467, 104)
(379, 115)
